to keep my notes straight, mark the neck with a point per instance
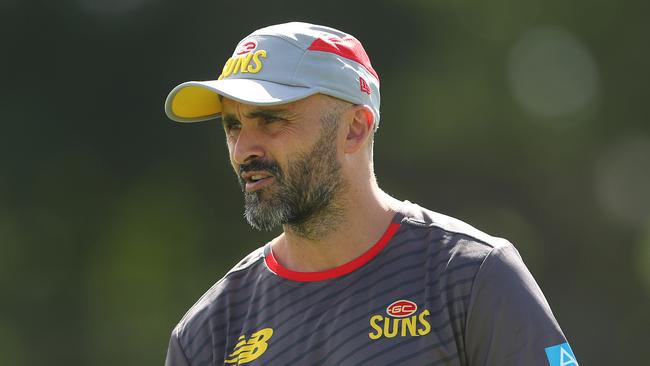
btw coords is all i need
(337, 236)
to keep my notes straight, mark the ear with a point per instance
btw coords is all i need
(360, 126)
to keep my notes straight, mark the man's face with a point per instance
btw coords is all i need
(286, 160)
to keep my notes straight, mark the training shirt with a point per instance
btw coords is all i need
(432, 291)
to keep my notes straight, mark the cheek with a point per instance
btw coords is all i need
(230, 157)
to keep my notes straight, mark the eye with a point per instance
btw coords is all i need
(231, 124)
(231, 127)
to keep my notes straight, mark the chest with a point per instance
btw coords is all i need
(398, 322)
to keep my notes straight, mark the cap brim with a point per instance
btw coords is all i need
(195, 101)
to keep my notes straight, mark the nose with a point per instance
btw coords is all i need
(247, 146)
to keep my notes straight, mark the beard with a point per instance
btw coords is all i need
(303, 196)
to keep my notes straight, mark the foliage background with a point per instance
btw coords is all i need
(528, 119)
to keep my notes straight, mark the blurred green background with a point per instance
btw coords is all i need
(526, 118)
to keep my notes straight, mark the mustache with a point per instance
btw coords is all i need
(261, 165)
(254, 165)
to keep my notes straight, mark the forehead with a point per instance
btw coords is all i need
(230, 106)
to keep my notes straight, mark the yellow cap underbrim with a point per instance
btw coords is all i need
(191, 103)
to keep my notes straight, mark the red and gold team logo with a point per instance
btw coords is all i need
(403, 320)
(246, 47)
(402, 308)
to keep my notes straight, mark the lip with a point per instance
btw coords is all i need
(259, 184)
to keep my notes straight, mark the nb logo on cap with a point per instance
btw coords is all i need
(364, 86)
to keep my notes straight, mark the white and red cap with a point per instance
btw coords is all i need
(280, 64)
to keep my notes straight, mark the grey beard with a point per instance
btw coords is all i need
(264, 215)
(305, 196)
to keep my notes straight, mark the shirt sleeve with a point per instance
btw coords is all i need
(509, 321)
(175, 353)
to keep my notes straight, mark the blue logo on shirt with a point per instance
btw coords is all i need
(561, 355)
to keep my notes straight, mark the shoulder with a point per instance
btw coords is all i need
(505, 318)
(233, 285)
(459, 240)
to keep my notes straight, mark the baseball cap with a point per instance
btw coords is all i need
(281, 64)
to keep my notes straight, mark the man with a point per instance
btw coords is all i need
(356, 277)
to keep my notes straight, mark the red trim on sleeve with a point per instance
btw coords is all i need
(334, 272)
(348, 47)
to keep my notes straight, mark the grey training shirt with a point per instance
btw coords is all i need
(432, 291)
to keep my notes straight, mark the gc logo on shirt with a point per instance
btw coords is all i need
(561, 355)
(403, 320)
(247, 350)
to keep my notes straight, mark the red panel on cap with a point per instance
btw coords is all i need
(348, 47)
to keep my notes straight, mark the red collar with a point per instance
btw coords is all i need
(339, 271)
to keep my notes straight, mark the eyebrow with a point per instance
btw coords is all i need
(228, 119)
(261, 113)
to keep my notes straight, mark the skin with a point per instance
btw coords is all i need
(277, 133)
